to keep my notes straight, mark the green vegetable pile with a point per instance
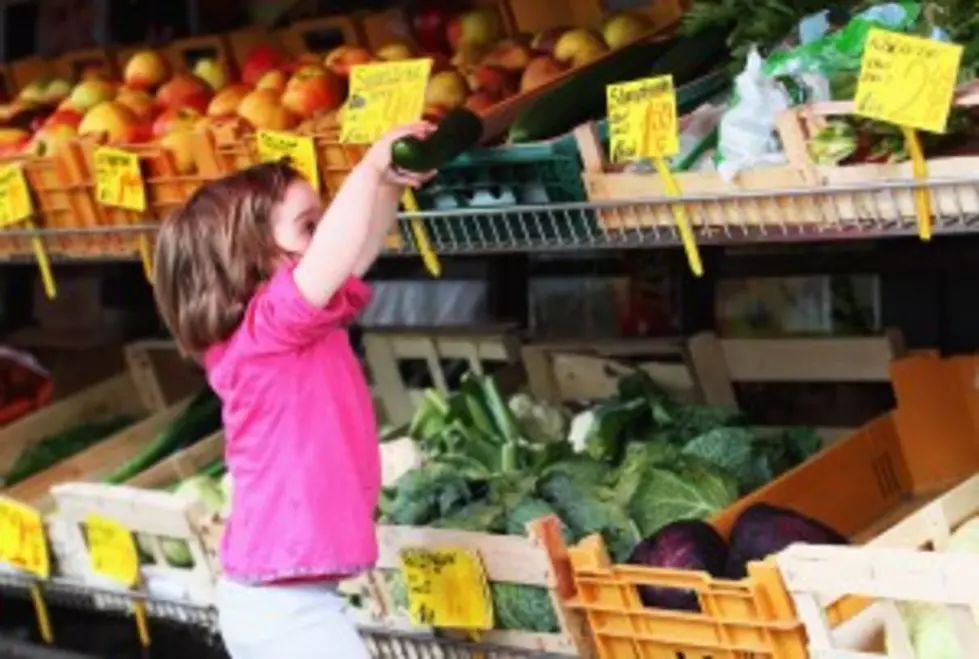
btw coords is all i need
(62, 445)
(623, 468)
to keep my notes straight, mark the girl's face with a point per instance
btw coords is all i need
(295, 218)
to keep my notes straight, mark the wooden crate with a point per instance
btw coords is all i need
(183, 54)
(860, 486)
(479, 349)
(78, 63)
(758, 197)
(706, 368)
(903, 564)
(798, 124)
(320, 35)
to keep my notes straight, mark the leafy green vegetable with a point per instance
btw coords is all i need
(62, 445)
(423, 495)
(695, 490)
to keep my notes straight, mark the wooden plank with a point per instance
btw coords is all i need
(709, 364)
(182, 464)
(863, 359)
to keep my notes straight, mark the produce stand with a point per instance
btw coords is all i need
(468, 406)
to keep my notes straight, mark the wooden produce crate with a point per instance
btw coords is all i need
(382, 28)
(183, 54)
(530, 16)
(79, 63)
(859, 486)
(166, 188)
(446, 353)
(320, 35)
(707, 368)
(24, 71)
(905, 564)
(126, 393)
(758, 197)
(892, 204)
(241, 42)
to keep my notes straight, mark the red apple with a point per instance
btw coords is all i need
(117, 121)
(185, 90)
(482, 100)
(428, 25)
(146, 70)
(63, 118)
(175, 119)
(259, 61)
(225, 102)
(263, 109)
(342, 58)
(274, 80)
(140, 102)
(311, 91)
(180, 143)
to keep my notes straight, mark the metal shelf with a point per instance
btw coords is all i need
(795, 215)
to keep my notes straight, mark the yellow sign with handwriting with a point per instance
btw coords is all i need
(907, 81)
(112, 550)
(447, 588)
(642, 120)
(297, 150)
(15, 197)
(383, 96)
(22, 540)
(118, 179)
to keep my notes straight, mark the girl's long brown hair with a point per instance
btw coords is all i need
(214, 252)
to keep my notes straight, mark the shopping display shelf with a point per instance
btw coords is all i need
(840, 212)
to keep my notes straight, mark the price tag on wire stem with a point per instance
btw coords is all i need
(112, 551)
(298, 150)
(447, 588)
(24, 546)
(16, 207)
(910, 82)
(382, 97)
(118, 179)
(642, 121)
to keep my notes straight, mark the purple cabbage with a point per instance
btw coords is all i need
(685, 545)
(763, 530)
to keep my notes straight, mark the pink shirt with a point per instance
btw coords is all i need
(301, 439)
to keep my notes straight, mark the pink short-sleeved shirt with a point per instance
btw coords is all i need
(301, 438)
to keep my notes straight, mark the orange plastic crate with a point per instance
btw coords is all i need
(236, 149)
(861, 486)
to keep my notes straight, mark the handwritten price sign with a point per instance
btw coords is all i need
(907, 81)
(118, 179)
(299, 151)
(22, 540)
(447, 588)
(15, 198)
(642, 119)
(383, 96)
(112, 550)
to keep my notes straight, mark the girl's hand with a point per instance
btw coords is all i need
(379, 156)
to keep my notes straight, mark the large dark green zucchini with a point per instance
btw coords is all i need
(457, 132)
(583, 98)
(201, 418)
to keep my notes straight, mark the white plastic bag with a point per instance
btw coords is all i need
(747, 134)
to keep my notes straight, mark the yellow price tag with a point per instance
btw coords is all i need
(22, 540)
(447, 588)
(907, 81)
(15, 198)
(118, 179)
(112, 550)
(296, 149)
(642, 120)
(383, 96)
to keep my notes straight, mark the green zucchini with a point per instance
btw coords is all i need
(62, 445)
(201, 418)
(457, 132)
(583, 98)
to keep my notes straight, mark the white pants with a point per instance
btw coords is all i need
(294, 621)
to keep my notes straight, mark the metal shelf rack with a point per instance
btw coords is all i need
(381, 643)
(796, 215)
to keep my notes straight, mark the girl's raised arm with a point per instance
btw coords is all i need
(347, 235)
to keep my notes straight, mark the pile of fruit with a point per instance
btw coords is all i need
(475, 64)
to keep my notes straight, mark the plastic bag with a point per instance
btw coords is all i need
(747, 131)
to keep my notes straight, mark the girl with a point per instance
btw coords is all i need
(258, 283)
